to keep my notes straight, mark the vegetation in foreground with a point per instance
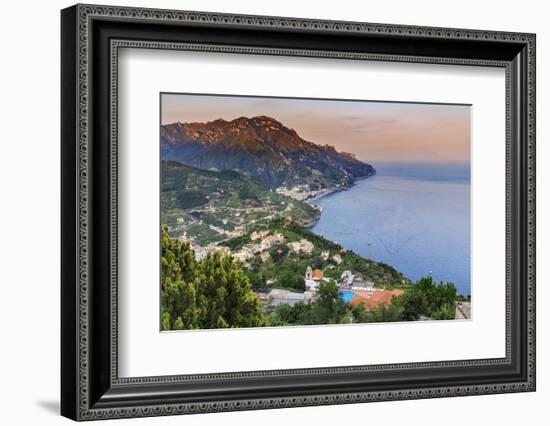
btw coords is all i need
(216, 293)
(423, 300)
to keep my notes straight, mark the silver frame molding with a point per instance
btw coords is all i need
(91, 388)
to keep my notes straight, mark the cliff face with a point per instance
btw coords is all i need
(261, 147)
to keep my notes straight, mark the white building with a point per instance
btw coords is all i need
(306, 246)
(286, 297)
(311, 284)
(363, 286)
(294, 247)
(279, 238)
(200, 253)
(243, 254)
(303, 246)
(255, 249)
(267, 242)
(347, 277)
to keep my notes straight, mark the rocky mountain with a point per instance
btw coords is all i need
(261, 147)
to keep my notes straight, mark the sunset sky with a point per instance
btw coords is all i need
(374, 131)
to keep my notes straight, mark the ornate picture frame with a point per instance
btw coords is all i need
(91, 37)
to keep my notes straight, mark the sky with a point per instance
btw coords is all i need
(373, 131)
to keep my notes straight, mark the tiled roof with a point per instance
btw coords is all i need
(375, 299)
(317, 274)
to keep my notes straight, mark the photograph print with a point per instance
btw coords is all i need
(306, 212)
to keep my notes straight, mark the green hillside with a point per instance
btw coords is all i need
(286, 268)
(210, 206)
(218, 291)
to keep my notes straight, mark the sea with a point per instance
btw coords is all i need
(414, 217)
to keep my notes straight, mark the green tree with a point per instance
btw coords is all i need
(427, 298)
(331, 309)
(165, 320)
(328, 309)
(278, 252)
(177, 289)
(289, 279)
(317, 263)
(178, 324)
(390, 313)
(286, 314)
(359, 313)
(444, 312)
(257, 279)
(213, 293)
(413, 304)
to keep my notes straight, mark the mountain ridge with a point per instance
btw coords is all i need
(261, 147)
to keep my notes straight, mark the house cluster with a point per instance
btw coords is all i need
(202, 252)
(304, 192)
(298, 192)
(262, 241)
(260, 244)
(303, 246)
(347, 280)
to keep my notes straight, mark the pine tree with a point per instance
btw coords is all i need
(214, 293)
(177, 292)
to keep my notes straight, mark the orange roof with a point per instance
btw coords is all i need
(374, 299)
(317, 274)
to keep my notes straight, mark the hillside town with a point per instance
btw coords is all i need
(354, 288)
(254, 191)
(304, 192)
(261, 242)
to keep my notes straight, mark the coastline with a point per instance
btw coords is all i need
(311, 200)
(392, 240)
(337, 189)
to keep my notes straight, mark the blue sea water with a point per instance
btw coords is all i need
(414, 217)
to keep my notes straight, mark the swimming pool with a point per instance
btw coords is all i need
(346, 295)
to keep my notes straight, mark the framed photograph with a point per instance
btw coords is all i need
(263, 212)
